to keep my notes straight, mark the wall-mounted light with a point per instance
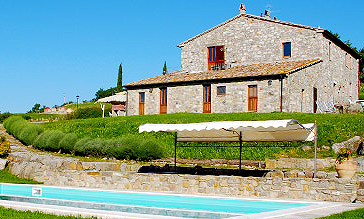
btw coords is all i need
(270, 82)
(150, 90)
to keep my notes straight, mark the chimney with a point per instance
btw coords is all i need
(242, 9)
(266, 14)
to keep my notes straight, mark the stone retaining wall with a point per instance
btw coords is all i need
(54, 170)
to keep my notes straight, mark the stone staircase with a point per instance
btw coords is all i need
(360, 193)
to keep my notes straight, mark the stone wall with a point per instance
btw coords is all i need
(53, 170)
(250, 40)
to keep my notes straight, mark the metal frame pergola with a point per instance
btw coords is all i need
(240, 134)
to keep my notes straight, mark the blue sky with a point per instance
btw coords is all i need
(51, 48)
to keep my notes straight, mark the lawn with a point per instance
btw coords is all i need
(361, 91)
(354, 214)
(332, 128)
(6, 177)
(14, 214)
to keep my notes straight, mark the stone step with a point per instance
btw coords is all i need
(360, 195)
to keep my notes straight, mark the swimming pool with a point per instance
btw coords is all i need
(157, 204)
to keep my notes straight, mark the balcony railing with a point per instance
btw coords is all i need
(219, 66)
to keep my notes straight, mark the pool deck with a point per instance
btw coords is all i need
(317, 210)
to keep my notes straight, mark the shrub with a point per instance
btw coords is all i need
(85, 113)
(53, 140)
(41, 141)
(9, 121)
(68, 142)
(17, 127)
(133, 147)
(2, 139)
(119, 149)
(81, 146)
(4, 116)
(148, 150)
(4, 148)
(95, 148)
(28, 135)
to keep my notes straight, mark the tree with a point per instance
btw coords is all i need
(36, 109)
(105, 93)
(119, 86)
(165, 68)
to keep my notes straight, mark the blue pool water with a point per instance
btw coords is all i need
(144, 203)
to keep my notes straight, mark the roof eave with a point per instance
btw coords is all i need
(205, 81)
(340, 43)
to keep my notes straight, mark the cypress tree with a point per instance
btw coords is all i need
(119, 86)
(165, 68)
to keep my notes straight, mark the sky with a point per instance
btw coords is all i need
(55, 49)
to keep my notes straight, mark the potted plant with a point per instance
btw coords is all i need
(345, 165)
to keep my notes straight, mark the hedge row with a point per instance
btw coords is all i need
(129, 147)
(22, 130)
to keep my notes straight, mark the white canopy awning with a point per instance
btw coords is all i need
(229, 131)
(117, 98)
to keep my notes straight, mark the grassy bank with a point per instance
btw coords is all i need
(14, 214)
(332, 128)
(6, 177)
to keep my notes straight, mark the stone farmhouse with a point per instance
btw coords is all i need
(252, 64)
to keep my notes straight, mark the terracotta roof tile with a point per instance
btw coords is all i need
(262, 69)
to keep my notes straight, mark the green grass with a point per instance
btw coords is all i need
(41, 116)
(361, 91)
(332, 128)
(6, 177)
(85, 105)
(14, 214)
(354, 214)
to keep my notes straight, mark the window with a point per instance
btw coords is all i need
(141, 103)
(287, 50)
(142, 97)
(216, 58)
(221, 90)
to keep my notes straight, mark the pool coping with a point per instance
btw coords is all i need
(315, 210)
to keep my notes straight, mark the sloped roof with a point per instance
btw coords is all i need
(116, 98)
(237, 72)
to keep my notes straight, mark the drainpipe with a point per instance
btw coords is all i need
(126, 103)
(281, 99)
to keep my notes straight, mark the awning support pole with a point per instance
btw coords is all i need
(103, 110)
(315, 162)
(241, 143)
(175, 151)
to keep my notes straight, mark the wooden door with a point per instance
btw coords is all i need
(141, 103)
(163, 101)
(314, 99)
(206, 98)
(252, 98)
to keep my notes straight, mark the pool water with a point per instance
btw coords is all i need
(141, 203)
